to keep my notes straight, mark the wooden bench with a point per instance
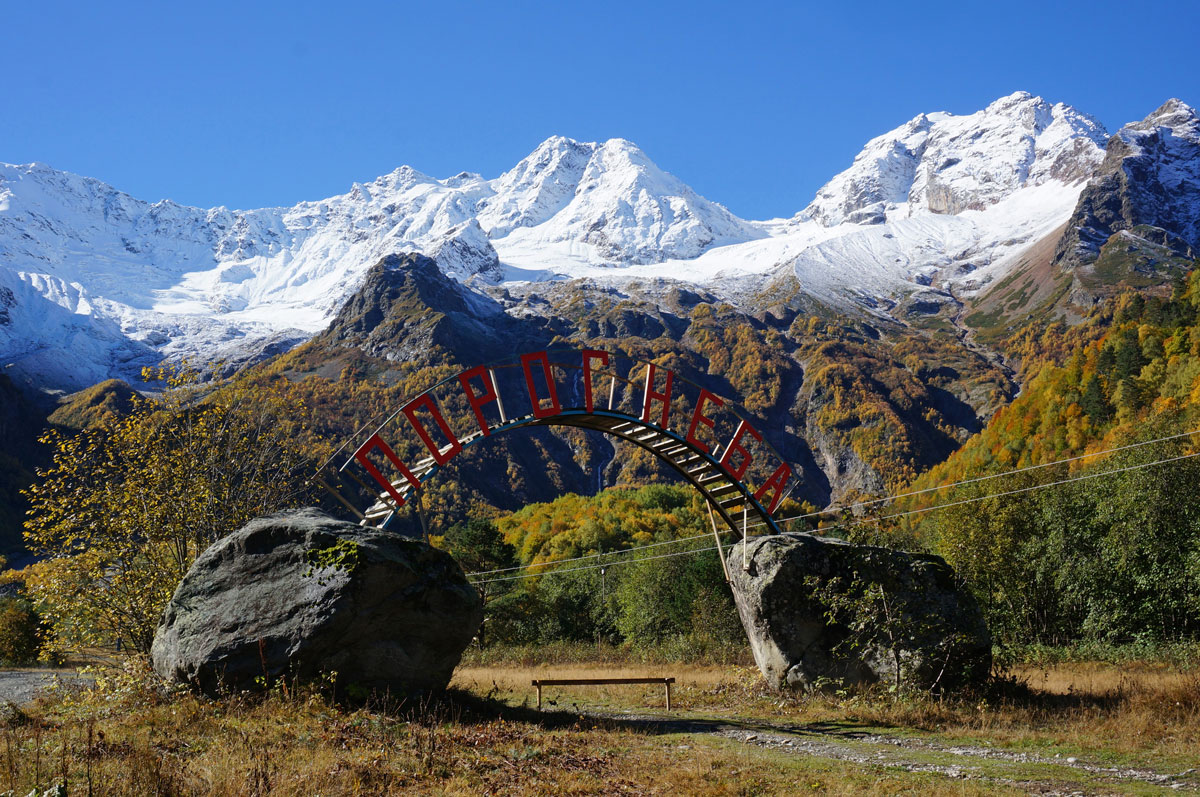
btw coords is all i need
(540, 682)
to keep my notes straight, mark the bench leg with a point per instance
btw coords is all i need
(539, 688)
(668, 695)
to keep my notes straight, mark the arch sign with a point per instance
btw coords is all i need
(705, 438)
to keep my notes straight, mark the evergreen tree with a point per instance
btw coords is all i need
(1128, 355)
(1094, 402)
(1106, 362)
(478, 546)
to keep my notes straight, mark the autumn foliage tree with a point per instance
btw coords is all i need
(125, 508)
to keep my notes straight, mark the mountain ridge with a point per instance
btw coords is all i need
(860, 345)
(945, 163)
(127, 283)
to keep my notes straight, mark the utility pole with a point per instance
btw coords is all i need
(603, 603)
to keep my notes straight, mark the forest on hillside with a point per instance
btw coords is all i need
(1112, 549)
(1068, 529)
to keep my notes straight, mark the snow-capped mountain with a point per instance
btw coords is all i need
(944, 164)
(95, 283)
(609, 197)
(1161, 157)
(139, 280)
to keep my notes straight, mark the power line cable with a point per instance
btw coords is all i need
(859, 523)
(858, 504)
(976, 479)
(592, 555)
(1028, 489)
(597, 567)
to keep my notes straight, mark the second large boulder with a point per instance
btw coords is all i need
(301, 594)
(824, 612)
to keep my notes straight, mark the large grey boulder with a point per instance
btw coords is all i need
(301, 594)
(824, 612)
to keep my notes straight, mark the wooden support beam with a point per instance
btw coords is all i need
(745, 537)
(341, 499)
(499, 400)
(384, 498)
(421, 518)
(712, 518)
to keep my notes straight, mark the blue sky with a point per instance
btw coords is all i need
(754, 104)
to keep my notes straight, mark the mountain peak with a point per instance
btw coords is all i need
(621, 152)
(1174, 105)
(609, 195)
(622, 145)
(1174, 114)
(539, 186)
(1012, 100)
(1148, 186)
(558, 143)
(406, 306)
(1172, 128)
(403, 177)
(947, 163)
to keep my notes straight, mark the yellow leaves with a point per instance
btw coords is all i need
(574, 525)
(11, 576)
(124, 509)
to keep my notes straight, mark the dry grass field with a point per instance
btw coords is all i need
(1064, 729)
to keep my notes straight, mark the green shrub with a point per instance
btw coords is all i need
(20, 632)
(658, 599)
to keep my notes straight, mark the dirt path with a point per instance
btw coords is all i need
(1036, 774)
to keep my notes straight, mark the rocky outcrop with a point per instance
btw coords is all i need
(465, 251)
(1150, 178)
(21, 421)
(820, 611)
(243, 354)
(300, 594)
(406, 306)
(7, 300)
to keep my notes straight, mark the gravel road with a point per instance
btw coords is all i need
(21, 686)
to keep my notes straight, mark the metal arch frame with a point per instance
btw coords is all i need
(382, 419)
(723, 491)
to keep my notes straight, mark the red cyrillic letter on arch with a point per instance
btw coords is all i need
(538, 411)
(410, 411)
